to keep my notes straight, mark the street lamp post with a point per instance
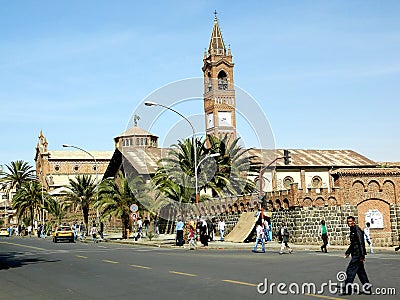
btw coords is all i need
(96, 166)
(150, 103)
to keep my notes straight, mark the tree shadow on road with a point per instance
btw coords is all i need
(17, 259)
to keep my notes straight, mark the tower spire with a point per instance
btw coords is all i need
(217, 45)
(219, 90)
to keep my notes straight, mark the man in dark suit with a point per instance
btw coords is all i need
(356, 266)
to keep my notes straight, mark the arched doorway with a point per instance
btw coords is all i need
(377, 213)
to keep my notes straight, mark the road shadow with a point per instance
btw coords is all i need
(16, 260)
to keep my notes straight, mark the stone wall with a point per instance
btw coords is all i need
(303, 223)
(395, 217)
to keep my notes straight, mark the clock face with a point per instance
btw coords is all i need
(210, 120)
(224, 118)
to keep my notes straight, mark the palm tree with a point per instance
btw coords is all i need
(173, 187)
(226, 175)
(58, 209)
(176, 176)
(28, 198)
(82, 192)
(234, 165)
(116, 197)
(18, 172)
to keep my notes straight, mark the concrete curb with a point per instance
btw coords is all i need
(168, 242)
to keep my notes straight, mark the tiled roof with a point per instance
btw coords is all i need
(315, 158)
(144, 160)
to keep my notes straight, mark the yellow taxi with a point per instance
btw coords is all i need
(63, 233)
(4, 232)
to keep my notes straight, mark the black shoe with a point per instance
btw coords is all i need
(397, 248)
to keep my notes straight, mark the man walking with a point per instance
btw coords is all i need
(101, 231)
(284, 239)
(357, 252)
(139, 226)
(260, 238)
(179, 232)
(93, 232)
(323, 233)
(221, 228)
(146, 224)
(368, 237)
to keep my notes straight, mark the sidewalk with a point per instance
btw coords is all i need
(168, 241)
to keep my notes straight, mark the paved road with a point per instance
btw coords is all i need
(32, 268)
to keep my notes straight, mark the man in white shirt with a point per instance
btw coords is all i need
(260, 238)
(140, 226)
(368, 237)
(221, 228)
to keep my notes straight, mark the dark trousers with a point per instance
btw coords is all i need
(325, 241)
(356, 267)
(204, 239)
(179, 237)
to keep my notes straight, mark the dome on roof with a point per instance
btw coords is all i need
(135, 131)
(136, 137)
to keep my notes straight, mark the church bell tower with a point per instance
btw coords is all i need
(219, 92)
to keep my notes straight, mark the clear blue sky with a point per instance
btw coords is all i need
(326, 73)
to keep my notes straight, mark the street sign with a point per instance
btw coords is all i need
(134, 216)
(134, 208)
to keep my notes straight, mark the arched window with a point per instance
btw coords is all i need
(222, 81)
(287, 181)
(316, 182)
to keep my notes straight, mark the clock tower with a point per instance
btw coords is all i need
(219, 92)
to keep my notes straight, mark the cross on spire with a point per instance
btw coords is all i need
(215, 14)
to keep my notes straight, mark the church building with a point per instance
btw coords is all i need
(316, 185)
